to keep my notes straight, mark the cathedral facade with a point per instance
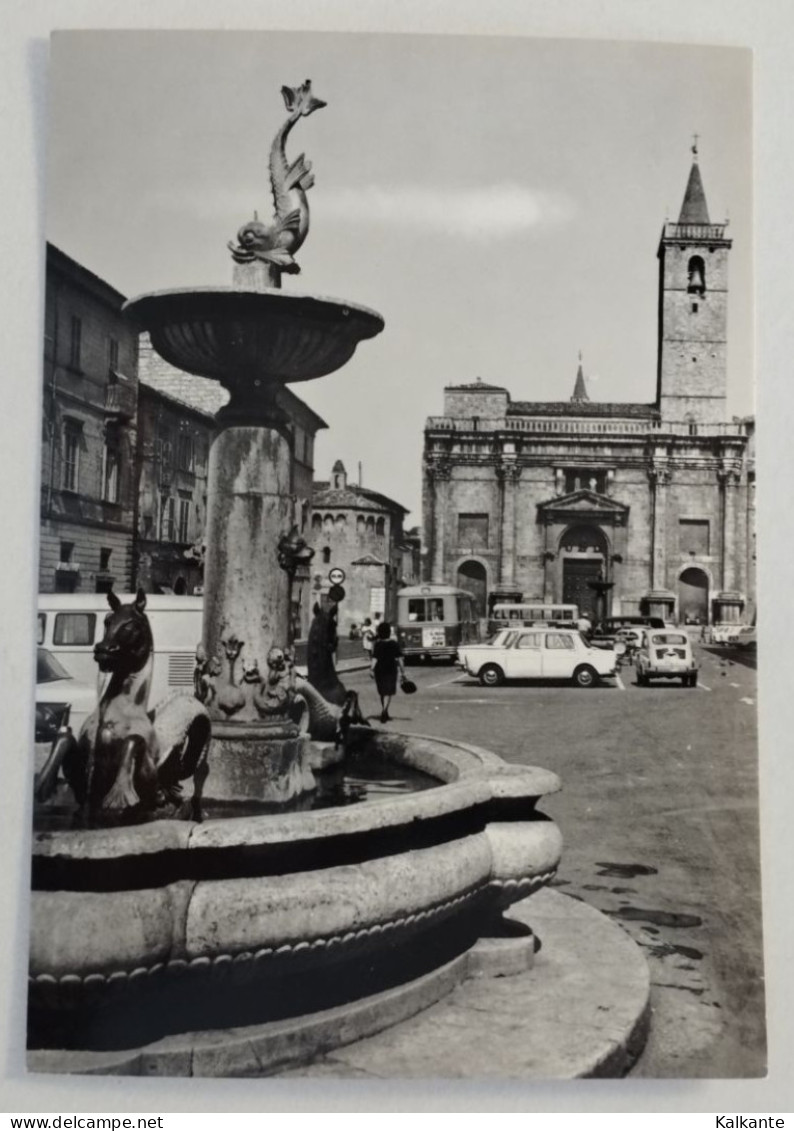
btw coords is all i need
(538, 500)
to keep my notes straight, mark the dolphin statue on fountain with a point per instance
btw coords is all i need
(277, 243)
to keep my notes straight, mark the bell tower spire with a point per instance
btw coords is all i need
(693, 303)
(580, 389)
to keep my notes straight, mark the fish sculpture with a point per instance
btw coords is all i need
(277, 243)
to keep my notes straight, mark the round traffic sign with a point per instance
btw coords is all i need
(336, 575)
(336, 593)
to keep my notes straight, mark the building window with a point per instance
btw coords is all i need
(67, 549)
(473, 531)
(113, 355)
(380, 526)
(164, 449)
(75, 342)
(586, 479)
(326, 554)
(201, 452)
(72, 435)
(693, 536)
(185, 452)
(110, 478)
(104, 559)
(184, 520)
(166, 519)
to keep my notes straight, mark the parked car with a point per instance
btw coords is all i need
(666, 655)
(606, 632)
(746, 637)
(725, 633)
(56, 693)
(538, 654)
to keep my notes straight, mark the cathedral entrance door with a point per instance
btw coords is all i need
(693, 597)
(472, 576)
(576, 572)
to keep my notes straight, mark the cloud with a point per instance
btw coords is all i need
(490, 212)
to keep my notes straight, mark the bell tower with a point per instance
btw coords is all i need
(693, 312)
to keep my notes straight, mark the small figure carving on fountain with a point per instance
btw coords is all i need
(205, 673)
(274, 696)
(231, 698)
(276, 244)
(293, 550)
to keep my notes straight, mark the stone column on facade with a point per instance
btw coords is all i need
(659, 476)
(750, 541)
(559, 481)
(439, 472)
(659, 599)
(508, 474)
(548, 568)
(729, 479)
(729, 601)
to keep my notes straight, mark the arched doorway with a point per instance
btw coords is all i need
(693, 597)
(473, 577)
(585, 557)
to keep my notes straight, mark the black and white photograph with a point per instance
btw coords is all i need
(396, 704)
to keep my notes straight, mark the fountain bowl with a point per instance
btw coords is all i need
(269, 334)
(168, 927)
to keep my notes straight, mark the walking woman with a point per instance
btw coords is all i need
(387, 663)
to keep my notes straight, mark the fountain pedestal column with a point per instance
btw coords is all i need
(258, 753)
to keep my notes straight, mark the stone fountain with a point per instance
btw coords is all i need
(317, 927)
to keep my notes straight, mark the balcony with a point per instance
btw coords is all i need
(120, 398)
(566, 426)
(712, 233)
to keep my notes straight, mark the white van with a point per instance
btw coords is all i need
(70, 624)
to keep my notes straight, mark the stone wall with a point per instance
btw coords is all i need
(485, 403)
(89, 542)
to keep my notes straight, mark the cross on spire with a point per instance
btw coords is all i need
(695, 145)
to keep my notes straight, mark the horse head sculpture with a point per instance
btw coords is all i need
(127, 762)
(127, 645)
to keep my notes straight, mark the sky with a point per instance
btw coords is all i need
(498, 201)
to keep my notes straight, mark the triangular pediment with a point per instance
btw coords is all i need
(583, 503)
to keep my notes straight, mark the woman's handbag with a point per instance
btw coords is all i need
(408, 686)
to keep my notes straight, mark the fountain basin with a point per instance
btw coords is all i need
(160, 928)
(275, 335)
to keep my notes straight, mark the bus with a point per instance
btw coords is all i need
(525, 614)
(434, 620)
(70, 624)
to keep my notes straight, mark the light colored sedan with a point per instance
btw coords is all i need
(538, 653)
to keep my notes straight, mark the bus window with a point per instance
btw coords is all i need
(42, 628)
(416, 608)
(74, 628)
(435, 608)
